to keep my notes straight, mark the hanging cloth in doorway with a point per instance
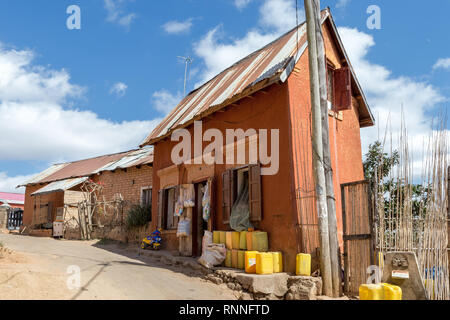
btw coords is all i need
(206, 201)
(240, 213)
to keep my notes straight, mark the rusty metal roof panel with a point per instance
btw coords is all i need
(82, 168)
(132, 159)
(263, 64)
(92, 166)
(273, 62)
(44, 174)
(62, 185)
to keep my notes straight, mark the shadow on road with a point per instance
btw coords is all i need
(85, 287)
(129, 251)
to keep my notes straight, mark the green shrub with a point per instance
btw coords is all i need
(138, 216)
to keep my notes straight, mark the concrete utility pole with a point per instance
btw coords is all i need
(331, 199)
(317, 146)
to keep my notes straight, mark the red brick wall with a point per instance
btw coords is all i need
(128, 183)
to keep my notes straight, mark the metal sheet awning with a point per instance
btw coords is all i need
(62, 185)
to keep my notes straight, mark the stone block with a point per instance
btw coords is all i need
(307, 282)
(264, 284)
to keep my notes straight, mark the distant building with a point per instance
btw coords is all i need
(55, 193)
(13, 200)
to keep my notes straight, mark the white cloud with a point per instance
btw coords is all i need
(116, 12)
(241, 4)
(119, 89)
(36, 123)
(9, 184)
(443, 63)
(342, 3)
(387, 94)
(279, 15)
(276, 17)
(177, 27)
(164, 101)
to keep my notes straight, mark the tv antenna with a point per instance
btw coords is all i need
(188, 61)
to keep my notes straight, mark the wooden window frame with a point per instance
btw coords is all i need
(144, 189)
(150, 191)
(163, 208)
(229, 192)
(332, 69)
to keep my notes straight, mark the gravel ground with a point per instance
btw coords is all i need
(37, 268)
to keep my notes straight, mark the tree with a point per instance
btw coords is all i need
(379, 162)
(377, 168)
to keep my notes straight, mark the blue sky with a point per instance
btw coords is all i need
(71, 94)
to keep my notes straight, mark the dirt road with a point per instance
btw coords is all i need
(38, 269)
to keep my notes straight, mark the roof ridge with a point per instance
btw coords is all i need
(97, 157)
(246, 57)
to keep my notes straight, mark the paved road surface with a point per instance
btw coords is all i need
(39, 271)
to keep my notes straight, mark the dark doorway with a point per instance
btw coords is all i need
(198, 224)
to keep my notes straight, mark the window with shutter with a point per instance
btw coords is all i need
(255, 193)
(176, 219)
(170, 221)
(330, 84)
(342, 89)
(226, 196)
(146, 201)
(160, 207)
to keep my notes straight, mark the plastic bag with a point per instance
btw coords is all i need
(240, 212)
(188, 197)
(184, 228)
(213, 255)
(179, 208)
(207, 240)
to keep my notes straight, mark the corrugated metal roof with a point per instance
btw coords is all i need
(7, 202)
(16, 198)
(82, 168)
(132, 159)
(62, 185)
(44, 174)
(92, 166)
(259, 66)
(272, 63)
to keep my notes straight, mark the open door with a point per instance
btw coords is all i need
(199, 225)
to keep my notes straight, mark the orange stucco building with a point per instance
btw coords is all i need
(269, 90)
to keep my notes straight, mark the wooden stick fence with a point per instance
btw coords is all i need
(422, 230)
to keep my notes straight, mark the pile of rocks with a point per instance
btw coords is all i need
(279, 286)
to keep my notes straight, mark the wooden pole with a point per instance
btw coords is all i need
(331, 199)
(317, 146)
(448, 216)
